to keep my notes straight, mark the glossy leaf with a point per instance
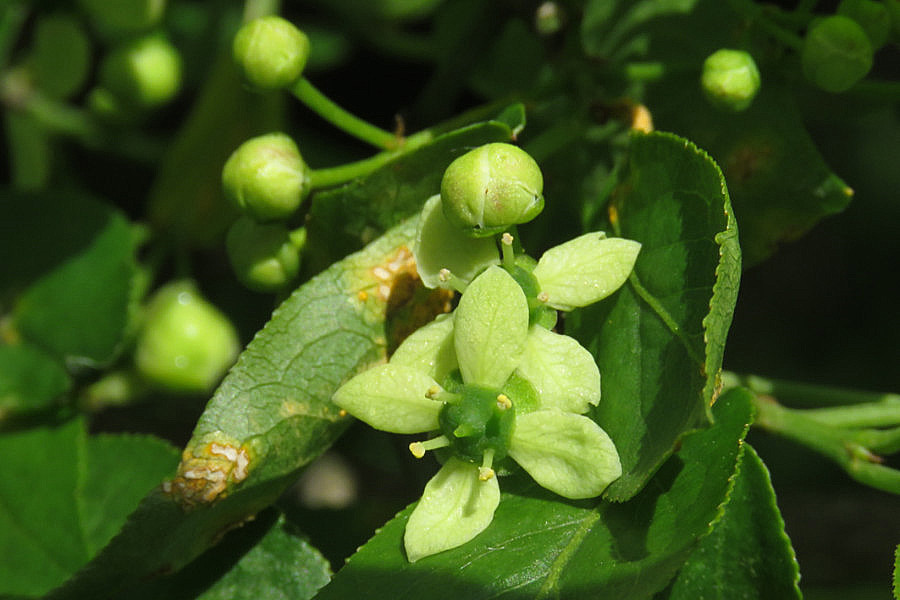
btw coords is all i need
(659, 340)
(75, 273)
(30, 379)
(270, 416)
(541, 546)
(748, 554)
(63, 495)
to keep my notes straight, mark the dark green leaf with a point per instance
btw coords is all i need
(540, 546)
(778, 180)
(344, 219)
(186, 199)
(30, 380)
(659, 340)
(282, 565)
(77, 258)
(273, 410)
(62, 495)
(747, 555)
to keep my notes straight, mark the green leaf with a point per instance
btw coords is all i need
(281, 565)
(659, 340)
(270, 417)
(30, 380)
(344, 219)
(63, 495)
(779, 183)
(193, 208)
(541, 546)
(748, 554)
(76, 257)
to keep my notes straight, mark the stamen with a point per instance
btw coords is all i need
(503, 402)
(509, 257)
(485, 472)
(452, 280)
(543, 296)
(436, 393)
(418, 449)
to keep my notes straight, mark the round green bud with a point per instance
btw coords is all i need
(730, 79)
(266, 177)
(143, 73)
(123, 17)
(491, 188)
(836, 53)
(270, 52)
(265, 258)
(548, 18)
(874, 17)
(61, 55)
(185, 343)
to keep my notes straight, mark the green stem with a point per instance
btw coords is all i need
(881, 441)
(805, 395)
(876, 90)
(835, 444)
(254, 9)
(11, 19)
(304, 91)
(758, 15)
(885, 413)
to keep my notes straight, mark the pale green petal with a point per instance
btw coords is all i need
(490, 328)
(455, 507)
(561, 370)
(429, 349)
(566, 453)
(585, 270)
(440, 245)
(391, 398)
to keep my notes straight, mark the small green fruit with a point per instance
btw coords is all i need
(143, 73)
(492, 188)
(730, 79)
(265, 258)
(836, 53)
(270, 52)
(185, 344)
(266, 177)
(874, 17)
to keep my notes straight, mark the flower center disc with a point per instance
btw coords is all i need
(478, 422)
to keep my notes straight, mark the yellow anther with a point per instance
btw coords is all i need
(432, 392)
(543, 296)
(342, 413)
(444, 275)
(417, 449)
(485, 473)
(506, 239)
(503, 402)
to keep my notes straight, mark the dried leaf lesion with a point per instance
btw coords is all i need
(208, 469)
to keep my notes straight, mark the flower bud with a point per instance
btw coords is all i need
(730, 79)
(265, 258)
(266, 177)
(270, 52)
(185, 344)
(492, 188)
(143, 73)
(836, 53)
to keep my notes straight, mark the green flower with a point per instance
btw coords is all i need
(571, 275)
(490, 385)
